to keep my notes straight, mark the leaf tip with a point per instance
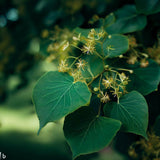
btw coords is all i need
(39, 130)
(75, 155)
(145, 136)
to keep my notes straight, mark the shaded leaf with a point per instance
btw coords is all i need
(94, 66)
(87, 133)
(148, 6)
(109, 20)
(127, 20)
(132, 111)
(144, 80)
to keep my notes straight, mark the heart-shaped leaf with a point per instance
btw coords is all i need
(144, 80)
(127, 20)
(56, 95)
(132, 111)
(86, 133)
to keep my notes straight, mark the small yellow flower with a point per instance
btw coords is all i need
(104, 97)
(77, 74)
(81, 64)
(88, 47)
(63, 67)
(92, 34)
(107, 82)
(95, 89)
(116, 92)
(132, 41)
(123, 77)
(144, 63)
(132, 59)
(65, 46)
(77, 38)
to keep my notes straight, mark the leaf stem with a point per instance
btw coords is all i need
(75, 61)
(99, 110)
(95, 77)
(123, 69)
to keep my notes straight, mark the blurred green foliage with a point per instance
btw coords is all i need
(23, 24)
(27, 29)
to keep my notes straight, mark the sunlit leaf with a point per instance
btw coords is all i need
(56, 95)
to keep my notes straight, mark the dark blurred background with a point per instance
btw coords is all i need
(26, 29)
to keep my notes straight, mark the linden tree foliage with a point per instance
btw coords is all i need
(127, 20)
(132, 111)
(53, 96)
(148, 6)
(91, 133)
(145, 80)
(94, 66)
(99, 89)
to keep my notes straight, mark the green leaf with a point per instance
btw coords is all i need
(56, 95)
(132, 111)
(144, 80)
(86, 133)
(127, 20)
(93, 67)
(115, 45)
(148, 6)
(109, 20)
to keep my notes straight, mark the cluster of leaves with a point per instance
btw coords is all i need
(21, 25)
(100, 89)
